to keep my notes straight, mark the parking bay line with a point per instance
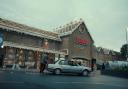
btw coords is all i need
(78, 83)
(91, 83)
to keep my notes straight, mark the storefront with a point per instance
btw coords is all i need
(27, 44)
(22, 55)
(28, 57)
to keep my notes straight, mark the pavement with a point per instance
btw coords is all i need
(21, 70)
(33, 80)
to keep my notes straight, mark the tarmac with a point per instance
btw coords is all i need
(94, 73)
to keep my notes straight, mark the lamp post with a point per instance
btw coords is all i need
(127, 43)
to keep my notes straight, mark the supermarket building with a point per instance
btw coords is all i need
(72, 41)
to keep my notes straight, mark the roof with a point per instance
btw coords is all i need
(70, 28)
(106, 51)
(103, 50)
(61, 31)
(99, 49)
(14, 26)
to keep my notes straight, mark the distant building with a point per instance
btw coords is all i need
(104, 54)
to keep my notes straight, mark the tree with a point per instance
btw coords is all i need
(124, 51)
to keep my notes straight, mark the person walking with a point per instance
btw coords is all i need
(1, 60)
(103, 66)
(43, 62)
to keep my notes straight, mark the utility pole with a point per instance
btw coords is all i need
(127, 43)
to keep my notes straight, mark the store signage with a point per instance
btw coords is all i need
(1, 39)
(81, 41)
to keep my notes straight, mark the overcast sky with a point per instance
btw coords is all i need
(105, 19)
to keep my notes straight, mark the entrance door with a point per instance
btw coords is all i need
(93, 64)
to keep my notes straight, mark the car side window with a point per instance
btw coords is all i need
(72, 63)
(63, 63)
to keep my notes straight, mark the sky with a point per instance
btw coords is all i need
(106, 20)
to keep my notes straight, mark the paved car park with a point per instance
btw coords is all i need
(26, 80)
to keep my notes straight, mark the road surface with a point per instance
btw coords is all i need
(22, 80)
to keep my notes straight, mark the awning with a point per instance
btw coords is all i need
(17, 45)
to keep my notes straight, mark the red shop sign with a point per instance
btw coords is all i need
(81, 41)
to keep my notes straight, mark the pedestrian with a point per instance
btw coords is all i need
(16, 63)
(1, 60)
(103, 66)
(43, 62)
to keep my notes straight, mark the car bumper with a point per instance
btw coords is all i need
(50, 69)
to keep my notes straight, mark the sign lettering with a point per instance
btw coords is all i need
(81, 41)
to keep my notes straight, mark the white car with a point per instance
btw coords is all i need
(64, 66)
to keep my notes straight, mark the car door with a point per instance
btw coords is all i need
(64, 66)
(76, 69)
(73, 67)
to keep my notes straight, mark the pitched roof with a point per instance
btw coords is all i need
(106, 51)
(13, 26)
(70, 28)
(114, 52)
(61, 31)
(99, 49)
(103, 50)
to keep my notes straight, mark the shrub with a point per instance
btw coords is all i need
(120, 69)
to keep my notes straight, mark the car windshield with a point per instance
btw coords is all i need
(58, 59)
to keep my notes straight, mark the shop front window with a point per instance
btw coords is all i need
(30, 56)
(21, 57)
(10, 56)
(30, 60)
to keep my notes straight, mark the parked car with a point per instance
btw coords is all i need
(64, 66)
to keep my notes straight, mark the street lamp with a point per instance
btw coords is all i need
(127, 43)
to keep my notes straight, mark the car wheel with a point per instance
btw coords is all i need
(57, 71)
(85, 73)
